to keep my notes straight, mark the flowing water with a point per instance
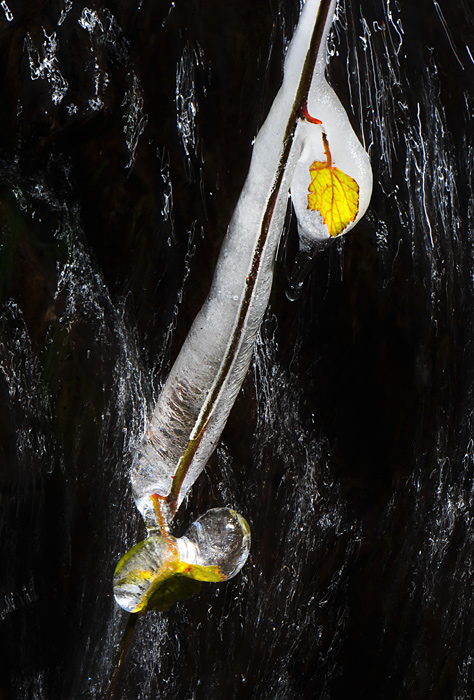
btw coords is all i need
(126, 132)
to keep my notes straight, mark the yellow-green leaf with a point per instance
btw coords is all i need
(182, 582)
(171, 590)
(152, 575)
(333, 194)
(210, 574)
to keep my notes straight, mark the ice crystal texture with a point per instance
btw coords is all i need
(206, 377)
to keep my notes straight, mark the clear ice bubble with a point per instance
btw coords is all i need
(220, 537)
(214, 548)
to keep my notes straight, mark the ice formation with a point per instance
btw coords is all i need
(214, 548)
(201, 388)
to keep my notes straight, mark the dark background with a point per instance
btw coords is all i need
(125, 138)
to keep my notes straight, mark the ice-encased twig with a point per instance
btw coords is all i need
(201, 388)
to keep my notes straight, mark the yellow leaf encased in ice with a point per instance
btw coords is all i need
(333, 194)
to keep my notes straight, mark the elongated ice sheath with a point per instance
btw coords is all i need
(201, 388)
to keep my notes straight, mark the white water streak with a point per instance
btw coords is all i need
(7, 11)
(44, 65)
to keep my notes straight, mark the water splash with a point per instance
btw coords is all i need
(135, 119)
(45, 66)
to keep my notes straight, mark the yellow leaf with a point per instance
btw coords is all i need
(333, 193)
(202, 573)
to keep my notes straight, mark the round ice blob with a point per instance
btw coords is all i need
(220, 537)
(141, 569)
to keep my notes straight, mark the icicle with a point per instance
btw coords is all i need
(207, 375)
